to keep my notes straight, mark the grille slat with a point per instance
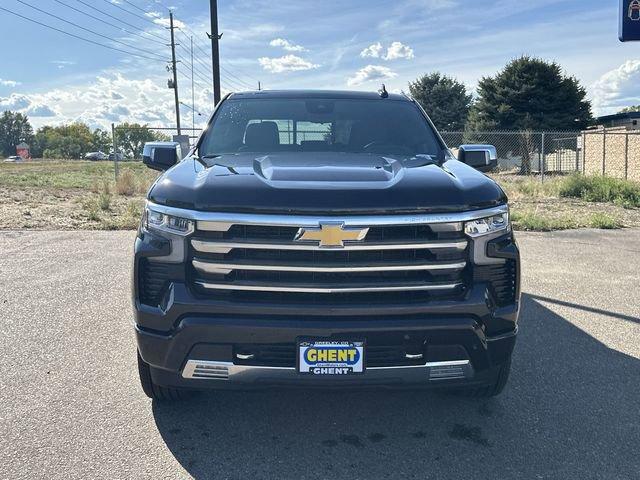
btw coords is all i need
(266, 260)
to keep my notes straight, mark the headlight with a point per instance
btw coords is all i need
(487, 225)
(154, 220)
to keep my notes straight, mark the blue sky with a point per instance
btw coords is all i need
(303, 44)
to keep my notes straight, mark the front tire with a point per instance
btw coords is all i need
(493, 389)
(157, 392)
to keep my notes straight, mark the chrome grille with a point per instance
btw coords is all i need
(265, 260)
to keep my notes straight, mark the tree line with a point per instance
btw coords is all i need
(74, 140)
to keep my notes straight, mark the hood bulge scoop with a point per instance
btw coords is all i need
(330, 170)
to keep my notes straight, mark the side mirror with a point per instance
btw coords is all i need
(161, 155)
(481, 157)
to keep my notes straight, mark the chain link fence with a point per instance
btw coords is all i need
(612, 152)
(527, 152)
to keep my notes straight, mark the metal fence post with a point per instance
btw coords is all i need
(626, 155)
(604, 150)
(115, 149)
(584, 152)
(542, 161)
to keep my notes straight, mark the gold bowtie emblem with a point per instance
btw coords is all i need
(332, 235)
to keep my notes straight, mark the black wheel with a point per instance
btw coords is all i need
(158, 392)
(495, 388)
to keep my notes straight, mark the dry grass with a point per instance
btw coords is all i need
(126, 183)
(565, 202)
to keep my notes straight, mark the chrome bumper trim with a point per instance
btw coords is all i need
(295, 289)
(226, 246)
(314, 221)
(215, 267)
(429, 372)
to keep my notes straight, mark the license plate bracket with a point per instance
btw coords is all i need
(321, 357)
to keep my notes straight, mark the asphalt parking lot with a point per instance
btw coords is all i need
(71, 406)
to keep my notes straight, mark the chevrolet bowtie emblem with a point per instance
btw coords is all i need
(332, 235)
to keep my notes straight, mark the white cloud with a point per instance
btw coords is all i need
(372, 51)
(398, 50)
(371, 73)
(287, 45)
(62, 63)
(617, 88)
(15, 101)
(40, 111)
(395, 51)
(9, 83)
(110, 97)
(166, 22)
(288, 63)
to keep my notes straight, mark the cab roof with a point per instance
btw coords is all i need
(306, 94)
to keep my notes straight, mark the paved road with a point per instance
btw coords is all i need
(70, 406)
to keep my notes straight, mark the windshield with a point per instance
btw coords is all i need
(320, 125)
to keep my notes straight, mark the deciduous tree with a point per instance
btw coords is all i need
(14, 129)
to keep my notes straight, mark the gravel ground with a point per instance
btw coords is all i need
(71, 406)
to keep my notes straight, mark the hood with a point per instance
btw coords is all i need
(325, 183)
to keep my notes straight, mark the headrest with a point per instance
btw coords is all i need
(262, 135)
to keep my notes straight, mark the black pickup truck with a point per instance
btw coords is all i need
(321, 238)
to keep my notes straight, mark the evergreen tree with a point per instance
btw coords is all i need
(444, 99)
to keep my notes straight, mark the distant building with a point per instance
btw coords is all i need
(22, 150)
(629, 120)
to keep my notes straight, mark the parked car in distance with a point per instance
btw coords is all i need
(321, 238)
(119, 157)
(96, 156)
(14, 159)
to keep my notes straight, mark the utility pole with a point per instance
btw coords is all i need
(193, 94)
(215, 50)
(174, 85)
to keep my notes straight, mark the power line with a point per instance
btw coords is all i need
(146, 19)
(101, 20)
(119, 20)
(247, 85)
(89, 30)
(240, 81)
(139, 8)
(199, 62)
(79, 37)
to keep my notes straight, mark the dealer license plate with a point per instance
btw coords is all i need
(330, 357)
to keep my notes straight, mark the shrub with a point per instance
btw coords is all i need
(104, 201)
(102, 185)
(604, 221)
(126, 183)
(602, 189)
(540, 223)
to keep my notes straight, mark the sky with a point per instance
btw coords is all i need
(330, 44)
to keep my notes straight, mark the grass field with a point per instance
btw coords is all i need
(72, 195)
(84, 195)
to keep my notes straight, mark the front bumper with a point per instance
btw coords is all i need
(202, 351)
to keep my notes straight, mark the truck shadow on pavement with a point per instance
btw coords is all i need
(570, 410)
